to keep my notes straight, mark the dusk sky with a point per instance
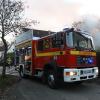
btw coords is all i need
(54, 15)
(57, 14)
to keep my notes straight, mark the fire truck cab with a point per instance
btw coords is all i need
(66, 56)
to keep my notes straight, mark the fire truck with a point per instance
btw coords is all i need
(56, 57)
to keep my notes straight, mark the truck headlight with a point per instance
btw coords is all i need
(70, 73)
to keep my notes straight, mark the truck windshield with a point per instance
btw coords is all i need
(79, 41)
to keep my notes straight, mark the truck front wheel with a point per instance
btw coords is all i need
(52, 79)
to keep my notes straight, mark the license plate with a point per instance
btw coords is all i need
(87, 71)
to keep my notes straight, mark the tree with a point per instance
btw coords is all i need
(81, 26)
(10, 57)
(10, 21)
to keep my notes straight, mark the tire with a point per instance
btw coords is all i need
(21, 73)
(52, 79)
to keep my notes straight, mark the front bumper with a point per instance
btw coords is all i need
(80, 74)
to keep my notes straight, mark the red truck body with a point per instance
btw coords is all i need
(66, 56)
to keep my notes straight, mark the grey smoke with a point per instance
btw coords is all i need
(90, 24)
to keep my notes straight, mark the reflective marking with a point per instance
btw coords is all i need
(50, 53)
(83, 53)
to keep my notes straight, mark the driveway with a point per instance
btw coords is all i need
(33, 89)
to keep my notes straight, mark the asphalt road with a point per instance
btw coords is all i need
(30, 89)
(33, 89)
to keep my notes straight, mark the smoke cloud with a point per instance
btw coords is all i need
(91, 25)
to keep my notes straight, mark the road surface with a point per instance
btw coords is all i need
(33, 89)
(30, 89)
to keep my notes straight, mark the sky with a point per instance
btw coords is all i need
(54, 15)
(58, 14)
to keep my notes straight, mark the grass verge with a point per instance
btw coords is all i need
(7, 82)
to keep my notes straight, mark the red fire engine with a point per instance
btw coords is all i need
(66, 56)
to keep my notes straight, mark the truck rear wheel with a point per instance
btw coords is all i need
(21, 73)
(52, 79)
